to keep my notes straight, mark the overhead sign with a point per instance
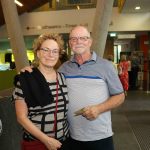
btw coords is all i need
(126, 36)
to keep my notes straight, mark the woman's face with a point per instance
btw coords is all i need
(48, 54)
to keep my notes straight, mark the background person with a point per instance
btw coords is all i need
(111, 59)
(135, 62)
(63, 58)
(123, 72)
(41, 100)
(0, 127)
(129, 69)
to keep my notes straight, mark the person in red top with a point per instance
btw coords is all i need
(123, 73)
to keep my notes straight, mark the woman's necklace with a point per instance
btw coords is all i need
(56, 108)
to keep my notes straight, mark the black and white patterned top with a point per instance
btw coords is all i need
(43, 117)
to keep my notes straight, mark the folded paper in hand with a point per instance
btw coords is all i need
(79, 112)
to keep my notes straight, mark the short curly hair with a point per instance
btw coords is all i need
(47, 36)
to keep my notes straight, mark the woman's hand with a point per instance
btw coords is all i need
(22, 111)
(52, 144)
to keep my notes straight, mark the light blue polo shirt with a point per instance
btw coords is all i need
(89, 84)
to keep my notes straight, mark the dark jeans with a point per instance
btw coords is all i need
(104, 144)
(133, 77)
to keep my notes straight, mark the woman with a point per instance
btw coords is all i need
(41, 100)
(123, 73)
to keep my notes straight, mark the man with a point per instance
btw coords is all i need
(94, 89)
(135, 62)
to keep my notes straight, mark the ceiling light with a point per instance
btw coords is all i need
(18, 3)
(112, 34)
(78, 7)
(137, 7)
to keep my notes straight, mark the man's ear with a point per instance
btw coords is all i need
(90, 42)
(69, 43)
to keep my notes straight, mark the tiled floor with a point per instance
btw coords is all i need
(131, 122)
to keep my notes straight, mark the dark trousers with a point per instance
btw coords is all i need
(104, 144)
(65, 145)
(133, 77)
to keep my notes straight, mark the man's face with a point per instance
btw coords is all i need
(80, 41)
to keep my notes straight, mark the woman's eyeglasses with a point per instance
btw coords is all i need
(55, 52)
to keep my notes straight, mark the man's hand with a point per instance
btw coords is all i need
(91, 112)
(27, 68)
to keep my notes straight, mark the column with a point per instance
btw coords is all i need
(15, 33)
(101, 25)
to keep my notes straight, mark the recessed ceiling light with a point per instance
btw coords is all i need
(18, 3)
(112, 34)
(137, 7)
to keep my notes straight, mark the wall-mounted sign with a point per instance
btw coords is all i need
(126, 36)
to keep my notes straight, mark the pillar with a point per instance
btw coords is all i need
(101, 25)
(15, 33)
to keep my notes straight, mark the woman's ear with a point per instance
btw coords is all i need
(37, 54)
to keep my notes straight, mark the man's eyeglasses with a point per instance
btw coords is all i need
(55, 52)
(82, 38)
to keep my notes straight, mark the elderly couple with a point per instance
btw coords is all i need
(68, 109)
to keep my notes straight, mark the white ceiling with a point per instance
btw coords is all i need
(131, 4)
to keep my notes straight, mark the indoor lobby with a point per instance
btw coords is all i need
(122, 31)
